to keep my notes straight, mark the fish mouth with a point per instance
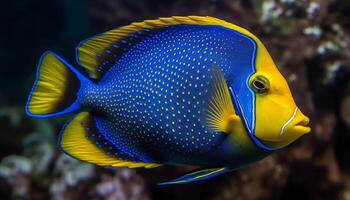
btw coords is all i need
(296, 126)
(292, 132)
(301, 126)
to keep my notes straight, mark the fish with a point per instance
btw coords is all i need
(181, 90)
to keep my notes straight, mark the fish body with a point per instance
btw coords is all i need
(158, 92)
(179, 91)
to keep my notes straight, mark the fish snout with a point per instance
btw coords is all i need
(298, 126)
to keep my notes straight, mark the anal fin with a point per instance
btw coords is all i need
(198, 176)
(80, 139)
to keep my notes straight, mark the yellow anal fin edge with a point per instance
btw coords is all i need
(99, 53)
(220, 114)
(73, 141)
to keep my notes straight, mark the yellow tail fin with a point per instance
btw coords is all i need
(54, 91)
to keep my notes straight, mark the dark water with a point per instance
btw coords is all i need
(309, 41)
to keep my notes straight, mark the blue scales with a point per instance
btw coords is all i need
(156, 93)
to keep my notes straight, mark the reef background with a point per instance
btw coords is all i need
(308, 39)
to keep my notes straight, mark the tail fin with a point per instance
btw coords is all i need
(55, 89)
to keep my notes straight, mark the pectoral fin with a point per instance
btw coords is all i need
(220, 114)
(198, 176)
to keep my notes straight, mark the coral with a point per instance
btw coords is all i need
(15, 170)
(123, 185)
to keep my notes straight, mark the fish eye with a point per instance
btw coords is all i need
(260, 85)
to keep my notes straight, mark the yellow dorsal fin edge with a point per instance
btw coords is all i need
(88, 50)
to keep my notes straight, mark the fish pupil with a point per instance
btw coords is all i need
(260, 85)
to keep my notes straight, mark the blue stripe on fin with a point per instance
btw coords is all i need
(197, 176)
(100, 52)
(74, 140)
(121, 139)
(92, 53)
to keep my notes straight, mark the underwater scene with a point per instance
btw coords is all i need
(177, 99)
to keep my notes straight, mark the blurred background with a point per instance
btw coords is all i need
(308, 39)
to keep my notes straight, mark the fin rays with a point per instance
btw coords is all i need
(55, 88)
(220, 104)
(98, 54)
(197, 176)
(73, 141)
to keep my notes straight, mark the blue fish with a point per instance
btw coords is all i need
(172, 91)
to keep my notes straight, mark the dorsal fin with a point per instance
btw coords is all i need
(78, 140)
(99, 53)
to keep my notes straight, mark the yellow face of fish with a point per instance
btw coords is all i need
(278, 119)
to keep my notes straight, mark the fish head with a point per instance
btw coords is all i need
(278, 120)
(266, 105)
